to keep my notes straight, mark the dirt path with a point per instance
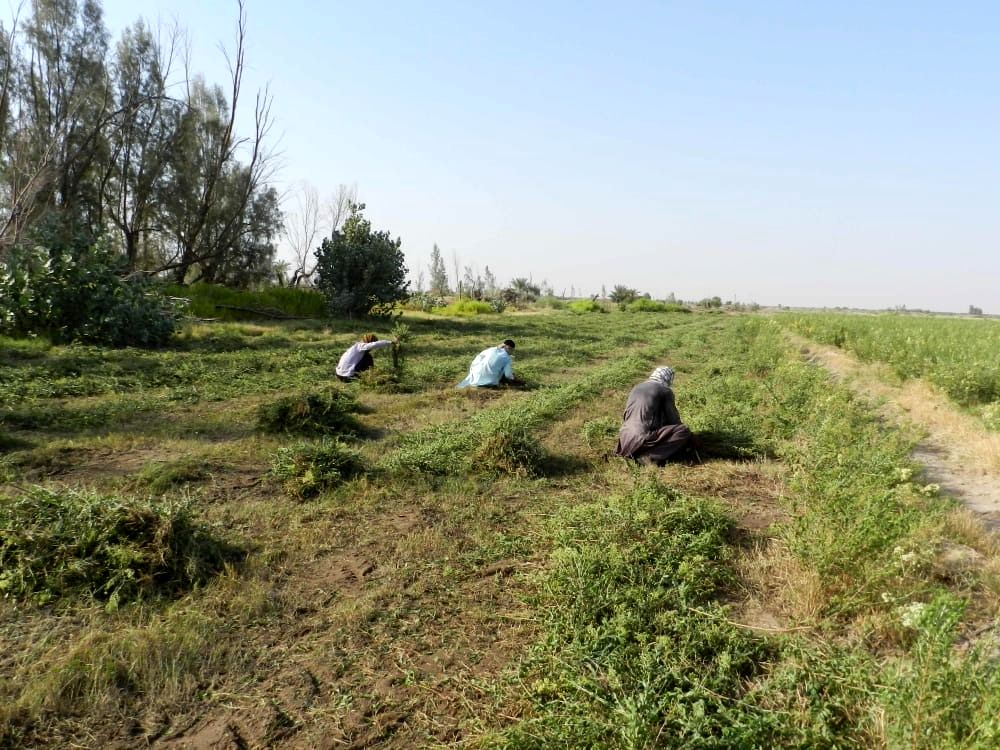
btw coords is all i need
(958, 453)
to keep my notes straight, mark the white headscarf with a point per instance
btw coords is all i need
(662, 375)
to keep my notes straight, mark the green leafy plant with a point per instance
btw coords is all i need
(79, 292)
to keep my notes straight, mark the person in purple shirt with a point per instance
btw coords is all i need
(492, 367)
(358, 357)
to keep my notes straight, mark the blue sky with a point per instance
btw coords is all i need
(778, 152)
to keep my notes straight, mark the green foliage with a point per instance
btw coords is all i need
(466, 307)
(508, 449)
(361, 271)
(647, 305)
(636, 650)
(329, 413)
(307, 469)
(940, 699)
(290, 301)
(424, 302)
(62, 543)
(621, 295)
(77, 292)
(600, 432)
(960, 355)
(551, 302)
(585, 306)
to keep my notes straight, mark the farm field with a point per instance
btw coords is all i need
(959, 355)
(472, 568)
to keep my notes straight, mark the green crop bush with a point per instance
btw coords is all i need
(581, 306)
(330, 413)
(307, 469)
(81, 292)
(62, 543)
(647, 305)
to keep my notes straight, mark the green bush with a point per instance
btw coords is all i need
(307, 469)
(59, 543)
(581, 306)
(328, 413)
(203, 301)
(552, 302)
(644, 305)
(361, 271)
(79, 292)
(466, 307)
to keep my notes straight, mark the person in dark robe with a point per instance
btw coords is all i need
(652, 431)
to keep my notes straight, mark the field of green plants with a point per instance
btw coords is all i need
(961, 355)
(217, 544)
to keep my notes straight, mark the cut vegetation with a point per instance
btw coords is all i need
(218, 545)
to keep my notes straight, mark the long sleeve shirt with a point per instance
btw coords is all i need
(349, 359)
(488, 367)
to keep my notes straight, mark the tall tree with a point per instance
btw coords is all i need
(146, 133)
(438, 273)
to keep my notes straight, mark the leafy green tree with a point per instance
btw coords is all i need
(361, 271)
(77, 292)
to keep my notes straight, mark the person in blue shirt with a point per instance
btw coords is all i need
(492, 367)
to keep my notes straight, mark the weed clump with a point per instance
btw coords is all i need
(507, 450)
(598, 432)
(307, 469)
(161, 476)
(328, 413)
(56, 544)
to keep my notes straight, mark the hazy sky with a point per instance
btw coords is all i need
(780, 152)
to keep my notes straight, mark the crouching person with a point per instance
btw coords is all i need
(492, 367)
(652, 431)
(358, 357)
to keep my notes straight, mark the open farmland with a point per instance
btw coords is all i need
(471, 568)
(959, 355)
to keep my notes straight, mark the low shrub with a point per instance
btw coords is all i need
(551, 301)
(647, 305)
(329, 413)
(307, 469)
(424, 302)
(204, 301)
(581, 306)
(59, 543)
(466, 307)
